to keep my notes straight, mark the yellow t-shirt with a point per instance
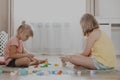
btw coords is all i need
(104, 51)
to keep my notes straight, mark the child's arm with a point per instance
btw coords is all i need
(90, 42)
(26, 52)
(13, 54)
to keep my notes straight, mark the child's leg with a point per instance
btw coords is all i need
(80, 60)
(25, 61)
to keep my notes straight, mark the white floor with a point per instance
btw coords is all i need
(54, 59)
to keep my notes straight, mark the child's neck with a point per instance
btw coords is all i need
(18, 37)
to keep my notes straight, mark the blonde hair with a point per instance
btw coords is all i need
(24, 27)
(88, 23)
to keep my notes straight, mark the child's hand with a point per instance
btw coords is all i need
(64, 64)
(64, 58)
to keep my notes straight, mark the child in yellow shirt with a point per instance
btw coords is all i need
(99, 52)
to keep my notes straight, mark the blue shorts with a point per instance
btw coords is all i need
(99, 65)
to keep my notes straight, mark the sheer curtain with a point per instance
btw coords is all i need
(10, 18)
(55, 24)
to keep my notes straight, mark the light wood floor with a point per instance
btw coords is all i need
(85, 74)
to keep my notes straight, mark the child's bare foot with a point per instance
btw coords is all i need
(43, 61)
(37, 62)
(33, 63)
(78, 67)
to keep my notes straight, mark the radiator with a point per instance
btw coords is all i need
(53, 38)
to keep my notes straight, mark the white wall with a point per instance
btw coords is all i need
(110, 9)
(3, 15)
(116, 38)
(49, 10)
(107, 8)
(53, 11)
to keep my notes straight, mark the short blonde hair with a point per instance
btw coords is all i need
(24, 27)
(88, 23)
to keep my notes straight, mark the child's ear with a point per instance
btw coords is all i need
(20, 31)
